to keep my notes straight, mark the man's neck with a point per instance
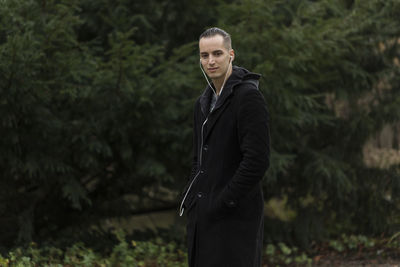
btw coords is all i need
(218, 85)
(219, 82)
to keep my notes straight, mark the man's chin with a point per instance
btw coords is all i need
(214, 75)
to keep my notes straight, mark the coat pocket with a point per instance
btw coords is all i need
(218, 210)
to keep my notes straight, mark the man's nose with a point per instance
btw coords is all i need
(211, 60)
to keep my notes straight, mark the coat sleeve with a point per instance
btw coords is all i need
(254, 140)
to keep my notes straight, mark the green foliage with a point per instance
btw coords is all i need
(96, 100)
(86, 120)
(346, 249)
(157, 253)
(323, 67)
(42, 68)
(394, 241)
(133, 254)
(282, 254)
(351, 242)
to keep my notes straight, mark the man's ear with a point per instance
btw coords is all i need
(232, 55)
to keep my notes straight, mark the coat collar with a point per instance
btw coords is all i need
(238, 75)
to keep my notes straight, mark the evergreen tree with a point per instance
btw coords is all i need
(322, 70)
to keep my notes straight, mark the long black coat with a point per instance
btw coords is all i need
(223, 200)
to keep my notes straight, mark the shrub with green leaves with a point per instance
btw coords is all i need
(124, 254)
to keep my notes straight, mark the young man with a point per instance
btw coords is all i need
(223, 199)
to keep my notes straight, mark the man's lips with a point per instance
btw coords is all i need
(212, 69)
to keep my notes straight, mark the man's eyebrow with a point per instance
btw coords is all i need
(215, 51)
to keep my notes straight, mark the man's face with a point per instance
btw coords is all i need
(214, 56)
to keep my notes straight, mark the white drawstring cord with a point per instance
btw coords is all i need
(226, 76)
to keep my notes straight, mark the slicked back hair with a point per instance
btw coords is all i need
(211, 32)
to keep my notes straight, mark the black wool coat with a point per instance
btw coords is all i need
(223, 199)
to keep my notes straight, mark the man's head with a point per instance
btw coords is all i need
(216, 53)
(211, 32)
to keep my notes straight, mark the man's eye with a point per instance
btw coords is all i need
(204, 56)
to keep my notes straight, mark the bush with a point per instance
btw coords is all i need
(124, 254)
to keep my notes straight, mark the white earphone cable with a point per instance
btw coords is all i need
(223, 84)
(205, 76)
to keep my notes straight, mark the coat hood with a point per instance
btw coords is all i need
(238, 75)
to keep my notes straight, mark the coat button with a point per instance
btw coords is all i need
(231, 203)
(205, 148)
(201, 171)
(200, 194)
